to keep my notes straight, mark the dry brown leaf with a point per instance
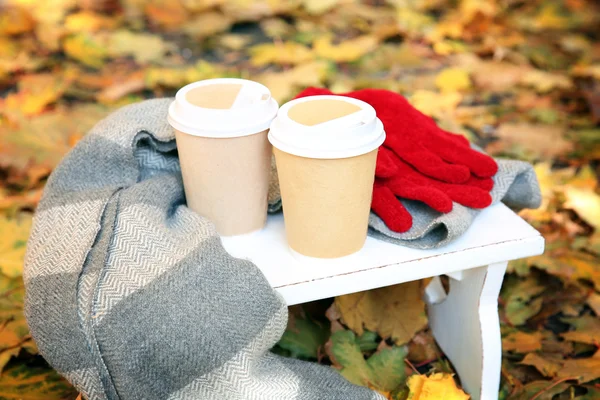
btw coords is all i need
(522, 342)
(15, 21)
(593, 301)
(396, 311)
(548, 365)
(544, 141)
(587, 330)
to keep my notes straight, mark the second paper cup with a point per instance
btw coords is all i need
(325, 148)
(221, 130)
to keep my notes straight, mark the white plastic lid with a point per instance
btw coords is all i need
(249, 112)
(350, 135)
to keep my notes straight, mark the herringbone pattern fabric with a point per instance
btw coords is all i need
(130, 295)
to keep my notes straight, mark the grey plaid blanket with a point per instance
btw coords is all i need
(130, 295)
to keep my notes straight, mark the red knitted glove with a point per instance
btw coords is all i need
(417, 140)
(394, 178)
(413, 155)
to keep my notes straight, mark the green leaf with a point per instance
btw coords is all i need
(383, 371)
(24, 382)
(368, 341)
(388, 367)
(304, 339)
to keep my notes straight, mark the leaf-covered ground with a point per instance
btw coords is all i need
(520, 78)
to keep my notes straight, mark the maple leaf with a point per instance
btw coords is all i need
(383, 371)
(396, 312)
(434, 387)
(346, 51)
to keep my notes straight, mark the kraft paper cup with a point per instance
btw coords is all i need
(325, 148)
(221, 130)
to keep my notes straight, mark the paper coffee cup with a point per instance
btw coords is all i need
(325, 149)
(221, 130)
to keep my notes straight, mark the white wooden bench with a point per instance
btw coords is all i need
(464, 321)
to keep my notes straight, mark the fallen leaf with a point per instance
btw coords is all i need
(434, 387)
(544, 390)
(318, 7)
(15, 21)
(88, 21)
(384, 370)
(35, 93)
(304, 339)
(435, 104)
(143, 47)
(346, 51)
(542, 141)
(544, 82)
(14, 332)
(549, 365)
(29, 382)
(280, 53)
(522, 342)
(592, 71)
(395, 311)
(46, 138)
(207, 24)
(168, 15)
(593, 301)
(570, 265)
(285, 85)
(521, 300)
(86, 49)
(423, 348)
(14, 233)
(585, 202)
(587, 329)
(583, 369)
(453, 80)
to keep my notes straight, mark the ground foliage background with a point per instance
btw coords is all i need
(521, 78)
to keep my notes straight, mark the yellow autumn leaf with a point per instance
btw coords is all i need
(317, 7)
(280, 53)
(346, 51)
(435, 104)
(35, 93)
(87, 21)
(207, 24)
(435, 387)
(15, 21)
(14, 234)
(86, 49)
(585, 202)
(587, 70)
(142, 46)
(284, 85)
(453, 80)
(544, 82)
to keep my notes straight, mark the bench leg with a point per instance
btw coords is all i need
(466, 326)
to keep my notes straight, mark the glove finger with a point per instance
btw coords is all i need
(434, 198)
(432, 165)
(469, 196)
(386, 163)
(479, 164)
(486, 184)
(390, 210)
